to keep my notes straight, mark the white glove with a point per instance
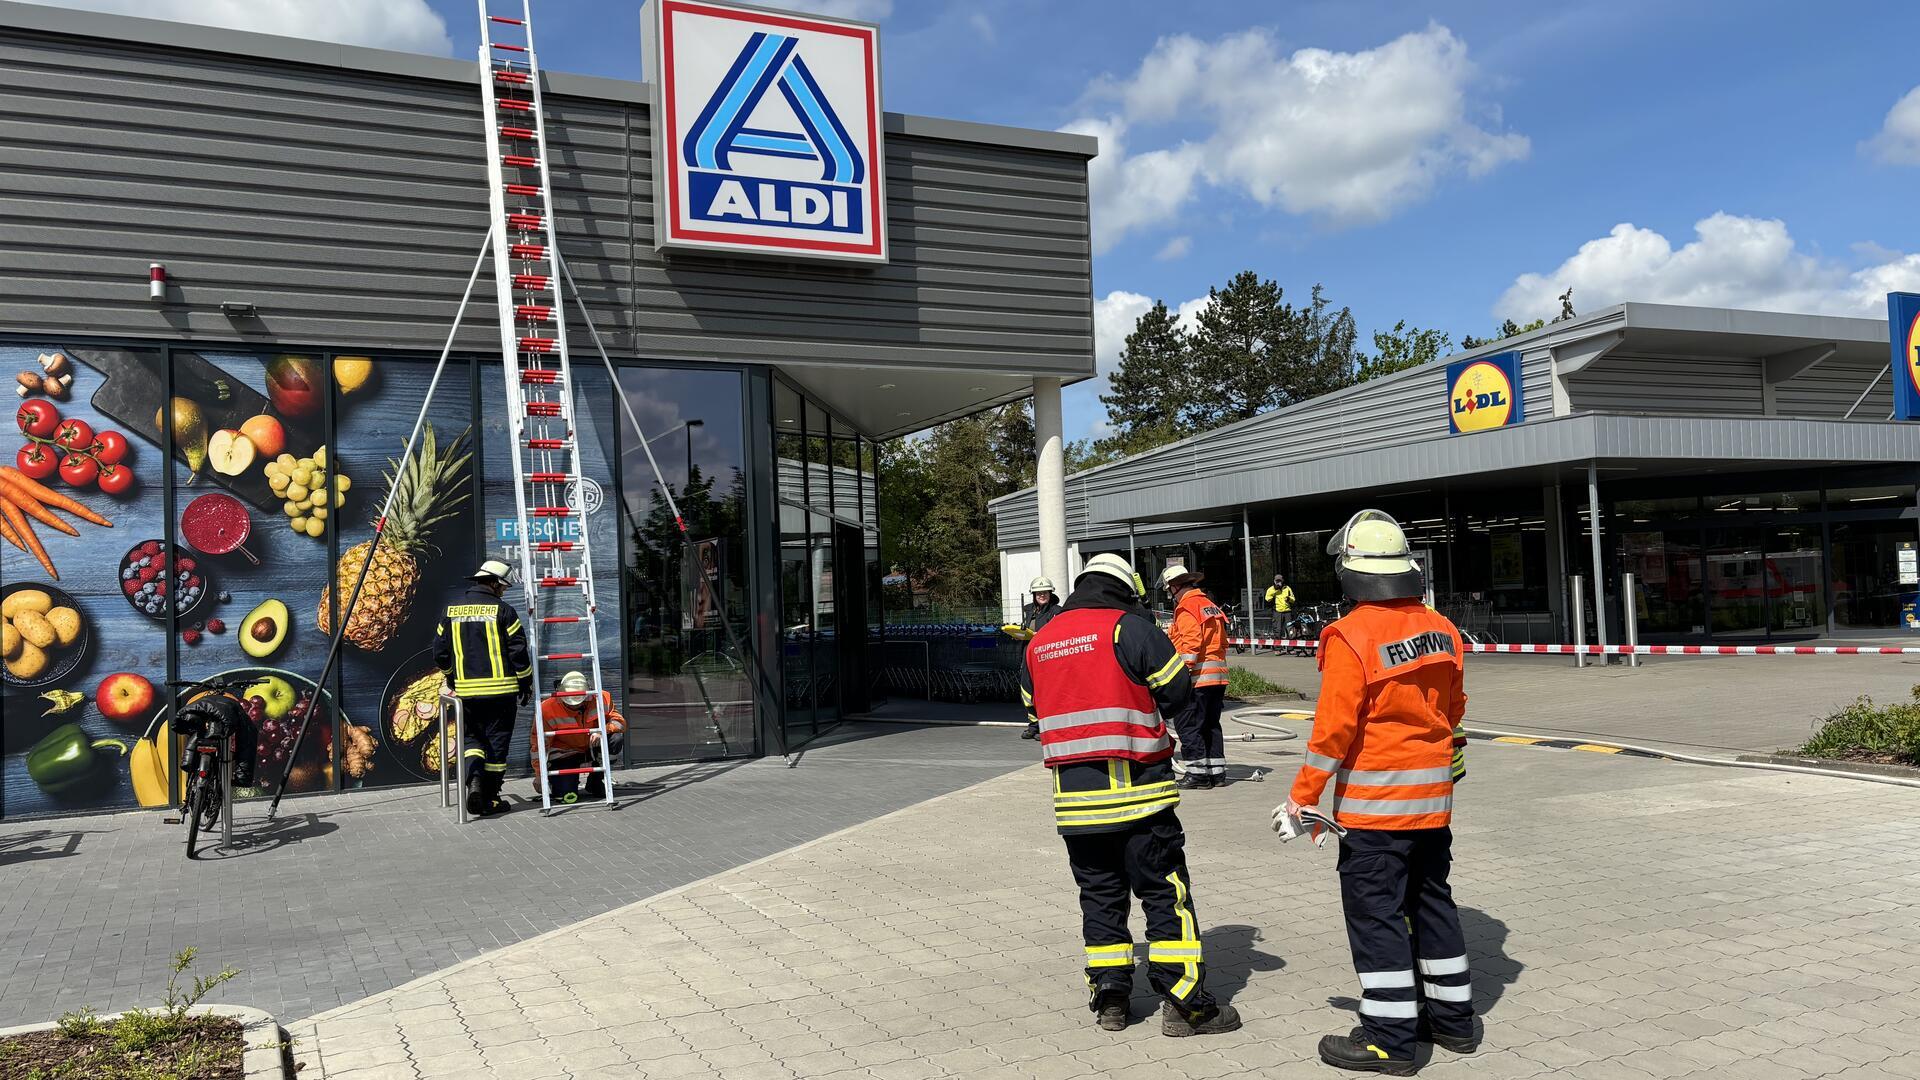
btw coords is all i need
(1288, 824)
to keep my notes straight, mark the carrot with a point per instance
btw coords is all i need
(7, 534)
(51, 497)
(25, 530)
(15, 496)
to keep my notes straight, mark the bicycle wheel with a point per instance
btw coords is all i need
(196, 792)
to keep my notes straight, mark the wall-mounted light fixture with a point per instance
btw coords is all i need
(237, 309)
(156, 283)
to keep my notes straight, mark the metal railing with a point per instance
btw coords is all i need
(456, 751)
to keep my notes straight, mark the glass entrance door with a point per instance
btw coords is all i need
(1736, 582)
(1796, 598)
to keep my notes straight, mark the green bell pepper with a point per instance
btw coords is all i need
(66, 758)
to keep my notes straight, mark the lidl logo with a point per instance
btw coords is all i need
(1484, 394)
(1903, 326)
(767, 137)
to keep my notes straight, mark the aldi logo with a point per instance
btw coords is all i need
(766, 132)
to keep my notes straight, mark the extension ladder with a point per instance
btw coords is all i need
(556, 570)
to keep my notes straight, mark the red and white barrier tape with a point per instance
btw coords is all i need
(1637, 650)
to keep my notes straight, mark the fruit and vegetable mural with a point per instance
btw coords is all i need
(124, 565)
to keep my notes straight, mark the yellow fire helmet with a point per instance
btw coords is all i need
(1371, 542)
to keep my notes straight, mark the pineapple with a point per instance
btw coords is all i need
(430, 487)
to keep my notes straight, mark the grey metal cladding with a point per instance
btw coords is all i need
(1695, 385)
(1831, 388)
(348, 206)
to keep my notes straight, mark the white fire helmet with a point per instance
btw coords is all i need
(574, 687)
(1176, 575)
(1115, 567)
(1372, 542)
(1040, 584)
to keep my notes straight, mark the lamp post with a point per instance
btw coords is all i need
(688, 426)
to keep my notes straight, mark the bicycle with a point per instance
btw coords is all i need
(211, 723)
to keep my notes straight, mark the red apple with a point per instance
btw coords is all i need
(295, 385)
(124, 697)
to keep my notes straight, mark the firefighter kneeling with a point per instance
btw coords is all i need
(1097, 680)
(1386, 733)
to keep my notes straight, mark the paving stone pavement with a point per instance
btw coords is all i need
(1707, 705)
(348, 895)
(1627, 919)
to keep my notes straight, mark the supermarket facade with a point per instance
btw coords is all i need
(1746, 467)
(235, 221)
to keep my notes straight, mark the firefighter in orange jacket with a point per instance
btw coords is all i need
(1386, 734)
(568, 717)
(1097, 679)
(1200, 634)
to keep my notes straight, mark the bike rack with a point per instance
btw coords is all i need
(226, 800)
(457, 797)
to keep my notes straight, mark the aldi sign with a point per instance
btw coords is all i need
(766, 132)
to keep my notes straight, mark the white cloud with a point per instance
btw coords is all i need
(1733, 261)
(1113, 317)
(859, 10)
(1176, 248)
(1349, 137)
(407, 25)
(1898, 142)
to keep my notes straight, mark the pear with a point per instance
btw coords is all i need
(189, 433)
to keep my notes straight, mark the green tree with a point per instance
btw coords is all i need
(1152, 385)
(1508, 328)
(935, 487)
(1401, 348)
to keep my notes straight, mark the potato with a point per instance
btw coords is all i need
(30, 664)
(66, 624)
(25, 600)
(35, 628)
(10, 640)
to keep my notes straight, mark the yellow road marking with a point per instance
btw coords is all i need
(1598, 749)
(1517, 740)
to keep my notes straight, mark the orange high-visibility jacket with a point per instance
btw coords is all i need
(1200, 634)
(576, 722)
(1387, 724)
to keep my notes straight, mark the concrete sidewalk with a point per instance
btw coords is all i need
(1627, 918)
(1711, 705)
(347, 895)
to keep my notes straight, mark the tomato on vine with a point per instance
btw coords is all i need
(115, 478)
(79, 470)
(108, 448)
(38, 419)
(74, 435)
(37, 461)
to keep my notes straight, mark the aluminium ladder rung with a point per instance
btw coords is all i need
(506, 20)
(520, 161)
(507, 131)
(504, 47)
(548, 444)
(527, 251)
(565, 582)
(554, 545)
(551, 619)
(553, 511)
(571, 772)
(564, 656)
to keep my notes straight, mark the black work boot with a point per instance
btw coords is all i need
(1193, 781)
(1110, 1007)
(1032, 732)
(476, 795)
(1207, 1020)
(1356, 1052)
(1459, 1044)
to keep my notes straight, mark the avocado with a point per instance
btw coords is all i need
(264, 629)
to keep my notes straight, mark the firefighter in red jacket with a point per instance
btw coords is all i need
(1200, 634)
(1386, 735)
(1097, 680)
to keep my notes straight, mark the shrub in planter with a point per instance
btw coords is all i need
(1863, 731)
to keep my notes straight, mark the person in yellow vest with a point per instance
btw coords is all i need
(1200, 634)
(1280, 595)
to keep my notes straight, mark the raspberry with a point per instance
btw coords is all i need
(130, 586)
(190, 636)
(146, 574)
(151, 547)
(185, 564)
(193, 579)
(159, 588)
(215, 626)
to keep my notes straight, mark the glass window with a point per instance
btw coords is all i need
(688, 691)
(1891, 497)
(1874, 574)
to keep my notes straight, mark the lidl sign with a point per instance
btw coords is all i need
(1484, 393)
(766, 132)
(1903, 327)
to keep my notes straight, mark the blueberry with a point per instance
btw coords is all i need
(128, 574)
(225, 596)
(146, 560)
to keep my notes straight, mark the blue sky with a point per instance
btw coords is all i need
(1447, 164)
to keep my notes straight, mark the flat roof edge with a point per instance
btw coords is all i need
(248, 44)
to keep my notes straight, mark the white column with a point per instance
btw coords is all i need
(1050, 481)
